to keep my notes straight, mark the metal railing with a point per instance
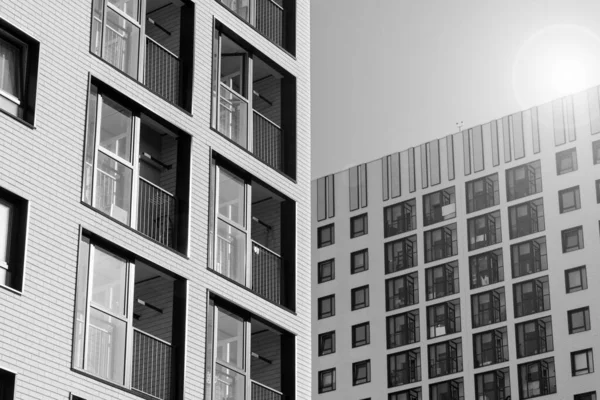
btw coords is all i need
(270, 18)
(492, 355)
(267, 273)
(267, 141)
(445, 367)
(400, 225)
(162, 71)
(538, 387)
(156, 213)
(535, 304)
(262, 392)
(403, 338)
(151, 370)
(404, 376)
(489, 316)
(233, 116)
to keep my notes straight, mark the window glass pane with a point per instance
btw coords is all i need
(535, 130)
(575, 279)
(109, 289)
(580, 361)
(113, 188)
(385, 177)
(434, 161)
(232, 204)
(233, 117)
(5, 226)
(467, 151)
(517, 129)
(594, 104)
(450, 151)
(81, 302)
(116, 129)
(353, 187)
(129, 7)
(230, 258)
(363, 185)
(105, 351)
(97, 16)
(230, 339)
(411, 170)
(477, 139)
(321, 200)
(10, 68)
(330, 182)
(559, 124)
(424, 162)
(395, 174)
(121, 42)
(90, 145)
(229, 385)
(495, 148)
(240, 7)
(506, 138)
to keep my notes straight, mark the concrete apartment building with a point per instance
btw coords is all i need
(154, 199)
(466, 267)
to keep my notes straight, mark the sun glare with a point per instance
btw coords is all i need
(568, 76)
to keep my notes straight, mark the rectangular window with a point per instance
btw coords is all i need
(326, 235)
(445, 358)
(576, 279)
(13, 237)
(411, 170)
(440, 243)
(360, 297)
(439, 206)
(399, 218)
(559, 122)
(484, 230)
(467, 151)
(326, 270)
(442, 280)
(326, 343)
(403, 329)
(523, 180)
(569, 199)
(450, 154)
(477, 143)
(582, 362)
(490, 347)
(358, 186)
(327, 380)
(361, 335)
(411, 394)
(529, 257)
(585, 396)
(594, 107)
(361, 372)
(482, 193)
(598, 191)
(536, 130)
(120, 318)
(325, 198)
(404, 367)
(526, 218)
(572, 239)
(566, 161)
(579, 320)
(534, 337)
(596, 151)
(537, 378)
(401, 254)
(507, 145)
(495, 144)
(391, 176)
(424, 165)
(516, 126)
(532, 296)
(434, 161)
(359, 261)
(493, 384)
(486, 268)
(7, 385)
(488, 307)
(359, 225)
(448, 390)
(402, 291)
(443, 319)
(326, 306)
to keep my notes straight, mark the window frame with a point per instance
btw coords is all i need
(578, 231)
(323, 351)
(354, 269)
(596, 152)
(322, 374)
(354, 292)
(12, 271)
(321, 277)
(582, 270)
(597, 191)
(577, 199)
(589, 353)
(356, 366)
(354, 221)
(321, 301)
(8, 383)
(585, 396)
(367, 339)
(587, 323)
(563, 156)
(320, 230)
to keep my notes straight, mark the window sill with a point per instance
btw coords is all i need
(10, 289)
(27, 124)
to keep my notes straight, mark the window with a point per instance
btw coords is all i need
(537, 378)
(391, 176)
(566, 161)
(529, 257)
(327, 306)
(576, 279)
(403, 329)
(399, 218)
(484, 230)
(534, 337)
(572, 239)
(360, 297)
(359, 261)
(361, 372)
(73, 397)
(13, 237)
(486, 268)
(327, 380)
(358, 187)
(523, 180)
(250, 91)
(112, 306)
(569, 199)
(404, 367)
(326, 343)
(579, 320)
(401, 254)
(122, 35)
(482, 193)
(440, 243)
(445, 358)
(326, 270)
(411, 394)
(585, 396)
(439, 206)
(442, 280)
(582, 362)
(596, 151)
(490, 347)
(493, 385)
(325, 197)
(488, 307)
(326, 235)
(402, 291)
(443, 319)
(7, 385)
(448, 390)
(531, 296)
(526, 218)
(361, 335)
(359, 225)
(598, 191)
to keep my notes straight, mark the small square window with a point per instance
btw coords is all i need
(566, 161)
(359, 225)
(359, 261)
(360, 297)
(326, 270)
(582, 362)
(13, 227)
(596, 150)
(576, 279)
(326, 235)
(326, 343)
(361, 372)
(569, 199)
(327, 306)
(327, 380)
(572, 239)
(579, 320)
(7, 385)
(585, 396)
(361, 335)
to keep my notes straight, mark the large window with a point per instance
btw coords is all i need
(361, 372)
(531, 296)
(445, 358)
(399, 218)
(596, 151)
(13, 236)
(566, 161)
(576, 279)
(486, 268)
(129, 321)
(325, 197)
(440, 243)
(537, 378)
(569, 199)
(572, 239)
(439, 206)
(582, 362)
(442, 280)
(482, 193)
(523, 180)
(358, 187)
(490, 347)
(404, 367)
(447, 390)
(585, 396)
(360, 297)
(488, 307)
(534, 337)
(579, 320)
(410, 394)
(18, 72)
(7, 385)
(401, 291)
(326, 343)
(493, 385)
(401, 254)
(484, 230)
(403, 329)
(326, 381)
(529, 257)
(246, 357)
(526, 218)
(443, 319)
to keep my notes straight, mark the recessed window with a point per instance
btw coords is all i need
(326, 270)
(439, 206)
(399, 218)
(326, 235)
(534, 337)
(598, 191)
(7, 385)
(482, 193)
(585, 396)
(579, 320)
(18, 72)
(569, 199)
(523, 180)
(566, 161)
(576, 279)
(361, 372)
(572, 239)
(327, 380)
(403, 329)
(537, 378)
(360, 297)
(359, 261)
(596, 151)
(582, 362)
(401, 291)
(411, 394)
(326, 343)
(13, 230)
(325, 197)
(361, 335)
(359, 225)
(327, 306)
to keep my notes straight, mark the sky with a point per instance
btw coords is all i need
(391, 74)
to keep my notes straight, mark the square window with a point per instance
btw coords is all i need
(359, 225)
(326, 270)
(596, 150)
(585, 396)
(327, 380)
(7, 385)
(569, 199)
(572, 239)
(18, 68)
(566, 161)
(326, 235)
(326, 343)
(582, 362)
(360, 297)
(579, 320)
(359, 261)
(13, 227)
(327, 306)
(361, 372)
(361, 335)
(576, 279)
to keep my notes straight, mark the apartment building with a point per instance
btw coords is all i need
(154, 206)
(465, 267)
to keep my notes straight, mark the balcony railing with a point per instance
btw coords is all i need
(491, 355)
(400, 225)
(262, 392)
(445, 367)
(268, 142)
(267, 273)
(162, 71)
(233, 116)
(489, 315)
(151, 371)
(270, 18)
(539, 387)
(156, 213)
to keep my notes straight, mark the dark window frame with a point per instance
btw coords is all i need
(323, 337)
(8, 381)
(367, 335)
(356, 370)
(433, 213)
(321, 230)
(488, 198)
(582, 270)
(354, 269)
(321, 301)
(565, 235)
(597, 191)
(596, 151)
(577, 198)
(13, 269)
(406, 221)
(585, 396)
(529, 184)
(587, 323)
(354, 232)
(322, 278)
(589, 362)
(564, 156)
(322, 374)
(354, 292)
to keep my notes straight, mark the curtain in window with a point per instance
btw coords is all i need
(10, 65)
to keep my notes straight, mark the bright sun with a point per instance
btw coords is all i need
(568, 76)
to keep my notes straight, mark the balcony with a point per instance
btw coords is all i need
(526, 218)
(448, 390)
(488, 307)
(403, 329)
(443, 319)
(442, 280)
(399, 218)
(537, 378)
(401, 254)
(493, 385)
(532, 296)
(404, 368)
(523, 180)
(534, 337)
(486, 268)
(485, 230)
(439, 206)
(402, 291)
(529, 257)
(490, 347)
(445, 358)
(152, 359)
(440, 243)
(482, 193)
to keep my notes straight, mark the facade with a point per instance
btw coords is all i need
(154, 206)
(464, 268)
